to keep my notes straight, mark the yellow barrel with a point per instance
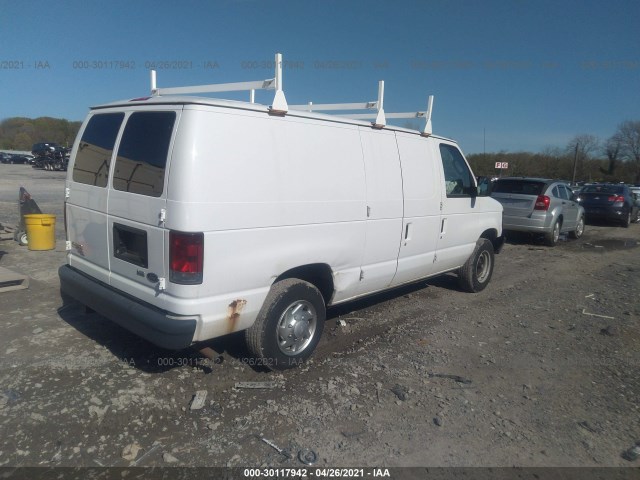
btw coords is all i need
(41, 231)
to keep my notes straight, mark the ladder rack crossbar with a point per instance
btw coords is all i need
(370, 116)
(310, 107)
(268, 84)
(278, 106)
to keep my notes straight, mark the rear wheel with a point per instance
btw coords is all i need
(577, 233)
(289, 325)
(627, 219)
(476, 273)
(551, 238)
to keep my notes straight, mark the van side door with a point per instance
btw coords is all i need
(384, 209)
(460, 223)
(421, 218)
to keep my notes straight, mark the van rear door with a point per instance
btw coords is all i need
(137, 201)
(87, 194)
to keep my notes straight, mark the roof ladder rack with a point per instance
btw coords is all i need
(279, 105)
(379, 118)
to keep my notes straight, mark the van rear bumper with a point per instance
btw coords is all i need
(173, 332)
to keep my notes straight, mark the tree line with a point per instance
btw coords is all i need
(585, 158)
(19, 133)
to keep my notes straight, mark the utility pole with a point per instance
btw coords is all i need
(575, 164)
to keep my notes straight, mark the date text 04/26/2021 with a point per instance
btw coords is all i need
(316, 472)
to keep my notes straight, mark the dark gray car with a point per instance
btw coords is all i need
(539, 205)
(614, 202)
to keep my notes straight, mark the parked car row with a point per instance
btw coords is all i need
(550, 207)
(15, 158)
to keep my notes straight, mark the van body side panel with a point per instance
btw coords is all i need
(249, 170)
(384, 208)
(270, 194)
(421, 223)
(264, 252)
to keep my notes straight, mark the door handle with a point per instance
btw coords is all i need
(407, 232)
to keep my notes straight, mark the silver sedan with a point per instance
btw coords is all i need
(539, 205)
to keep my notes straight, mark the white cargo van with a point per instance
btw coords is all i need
(191, 218)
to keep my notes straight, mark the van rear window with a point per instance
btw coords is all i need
(96, 147)
(142, 155)
(603, 189)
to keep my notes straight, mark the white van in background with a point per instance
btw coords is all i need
(191, 218)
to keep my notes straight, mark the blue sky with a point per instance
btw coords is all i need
(520, 75)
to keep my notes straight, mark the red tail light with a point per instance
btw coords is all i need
(616, 198)
(186, 257)
(542, 202)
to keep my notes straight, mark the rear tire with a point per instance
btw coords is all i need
(627, 220)
(289, 325)
(577, 233)
(551, 238)
(476, 273)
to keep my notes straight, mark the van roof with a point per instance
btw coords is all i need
(240, 105)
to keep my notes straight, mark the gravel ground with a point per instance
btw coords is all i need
(540, 369)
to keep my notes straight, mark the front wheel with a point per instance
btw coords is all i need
(577, 233)
(289, 325)
(475, 274)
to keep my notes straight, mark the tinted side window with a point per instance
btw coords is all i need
(563, 192)
(142, 155)
(457, 176)
(555, 192)
(96, 147)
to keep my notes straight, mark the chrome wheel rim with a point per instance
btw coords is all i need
(580, 227)
(556, 232)
(483, 266)
(296, 327)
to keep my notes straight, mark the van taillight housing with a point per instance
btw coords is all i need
(186, 257)
(542, 202)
